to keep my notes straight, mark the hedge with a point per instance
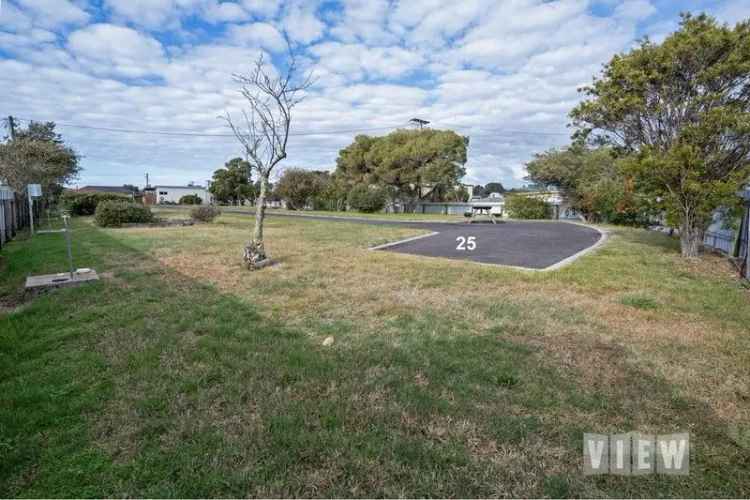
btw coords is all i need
(527, 207)
(116, 213)
(205, 213)
(86, 203)
(191, 199)
(366, 199)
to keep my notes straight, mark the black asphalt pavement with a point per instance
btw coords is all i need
(534, 245)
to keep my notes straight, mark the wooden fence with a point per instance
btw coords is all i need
(14, 215)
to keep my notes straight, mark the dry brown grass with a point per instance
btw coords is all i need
(338, 279)
(582, 330)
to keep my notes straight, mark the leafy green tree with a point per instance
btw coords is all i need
(333, 196)
(232, 184)
(681, 110)
(521, 206)
(37, 155)
(354, 165)
(366, 198)
(190, 199)
(459, 194)
(591, 179)
(414, 163)
(494, 187)
(298, 187)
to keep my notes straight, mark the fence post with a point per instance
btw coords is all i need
(2, 223)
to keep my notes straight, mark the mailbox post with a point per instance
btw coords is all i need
(34, 191)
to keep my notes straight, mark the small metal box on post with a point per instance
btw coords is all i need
(34, 191)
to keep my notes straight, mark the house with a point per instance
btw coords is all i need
(170, 195)
(495, 204)
(561, 206)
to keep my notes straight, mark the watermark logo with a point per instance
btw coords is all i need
(633, 454)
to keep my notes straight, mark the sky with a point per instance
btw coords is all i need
(503, 72)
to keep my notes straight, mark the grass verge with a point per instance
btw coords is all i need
(181, 375)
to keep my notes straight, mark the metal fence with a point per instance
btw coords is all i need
(725, 241)
(722, 240)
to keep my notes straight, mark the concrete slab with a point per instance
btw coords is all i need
(47, 281)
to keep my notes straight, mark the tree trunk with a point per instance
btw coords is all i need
(255, 253)
(691, 235)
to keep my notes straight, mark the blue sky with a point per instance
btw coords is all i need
(504, 72)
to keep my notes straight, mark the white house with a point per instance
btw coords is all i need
(561, 206)
(172, 194)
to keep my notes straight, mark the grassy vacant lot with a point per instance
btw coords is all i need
(357, 215)
(180, 374)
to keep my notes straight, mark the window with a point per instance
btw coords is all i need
(162, 192)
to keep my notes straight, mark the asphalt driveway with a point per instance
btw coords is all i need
(528, 244)
(534, 245)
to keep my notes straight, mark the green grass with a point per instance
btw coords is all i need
(181, 375)
(166, 209)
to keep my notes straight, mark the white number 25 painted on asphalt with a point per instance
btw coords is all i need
(469, 243)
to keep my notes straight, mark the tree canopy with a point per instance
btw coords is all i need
(298, 186)
(493, 187)
(681, 111)
(232, 184)
(414, 163)
(37, 155)
(591, 178)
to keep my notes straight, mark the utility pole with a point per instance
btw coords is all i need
(12, 128)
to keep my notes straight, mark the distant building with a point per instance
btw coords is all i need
(170, 195)
(561, 206)
(107, 189)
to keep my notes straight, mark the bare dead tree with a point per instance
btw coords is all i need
(264, 132)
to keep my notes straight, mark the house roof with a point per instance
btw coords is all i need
(157, 186)
(105, 189)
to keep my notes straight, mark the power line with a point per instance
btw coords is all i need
(480, 133)
(201, 134)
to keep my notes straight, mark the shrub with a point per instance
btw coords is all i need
(116, 213)
(298, 186)
(366, 199)
(527, 207)
(86, 203)
(205, 213)
(191, 199)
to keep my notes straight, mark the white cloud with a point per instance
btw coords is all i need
(262, 8)
(257, 35)
(364, 20)
(51, 13)
(504, 73)
(110, 49)
(302, 23)
(355, 61)
(13, 19)
(431, 22)
(635, 9)
(154, 14)
(734, 11)
(225, 12)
